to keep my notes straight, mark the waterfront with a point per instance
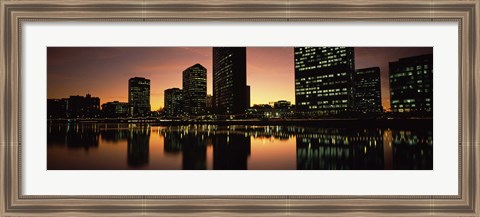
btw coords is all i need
(110, 146)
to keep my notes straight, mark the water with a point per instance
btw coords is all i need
(100, 146)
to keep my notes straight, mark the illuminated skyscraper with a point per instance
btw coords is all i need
(230, 80)
(411, 84)
(174, 102)
(367, 86)
(139, 96)
(195, 89)
(323, 79)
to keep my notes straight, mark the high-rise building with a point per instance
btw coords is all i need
(411, 84)
(83, 106)
(139, 96)
(115, 109)
(195, 89)
(229, 80)
(368, 96)
(323, 79)
(174, 102)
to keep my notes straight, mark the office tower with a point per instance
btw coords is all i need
(139, 96)
(229, 80)
(83, 107)
(174, 102)
(411, 84)
(195, 89)
(367, 92)
(115, 109)
(323, 79)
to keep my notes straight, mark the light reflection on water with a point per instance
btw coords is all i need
(199, 147)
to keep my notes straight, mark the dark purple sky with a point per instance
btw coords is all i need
(104, 71)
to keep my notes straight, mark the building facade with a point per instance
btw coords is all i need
(56, 108)
(368, 96)
(83, 106)
(195, 89)
(139, 97)
(323, 79)
(174, 102)
(411, 84)
(230, 80)
(115, 109)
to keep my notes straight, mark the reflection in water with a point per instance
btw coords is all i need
(199, 147)
(138, 145)
(230, 151)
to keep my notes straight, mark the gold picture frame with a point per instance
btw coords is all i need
(15, 12)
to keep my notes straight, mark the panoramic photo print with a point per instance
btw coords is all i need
(239, 108)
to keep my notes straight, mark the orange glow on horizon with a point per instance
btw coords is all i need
(104, 71)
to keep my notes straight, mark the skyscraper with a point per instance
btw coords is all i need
(411, 84)
(139, 96)
(174, 102)
(230, 80)
(195, 89)
(367, 92)
(323, 79)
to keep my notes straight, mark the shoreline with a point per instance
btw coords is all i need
(411, 122)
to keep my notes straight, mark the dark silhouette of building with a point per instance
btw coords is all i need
(83, 107)
(411, 84)
(174, 102)
(195, 89)
(368, 96)
(230, 80)
(56, 108)
(139, 96)
(115, 109)
(282, 104)
(323, 79)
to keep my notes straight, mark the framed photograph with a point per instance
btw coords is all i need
(234, 108)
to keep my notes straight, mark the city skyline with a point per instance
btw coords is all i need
(104, 71)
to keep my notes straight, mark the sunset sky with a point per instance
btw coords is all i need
(104, 71)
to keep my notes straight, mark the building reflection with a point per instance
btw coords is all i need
(231, 151)
(340, 149)
(74, 135)
(114, 133)
(316, 148)
(138, 146)
(412, 151)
